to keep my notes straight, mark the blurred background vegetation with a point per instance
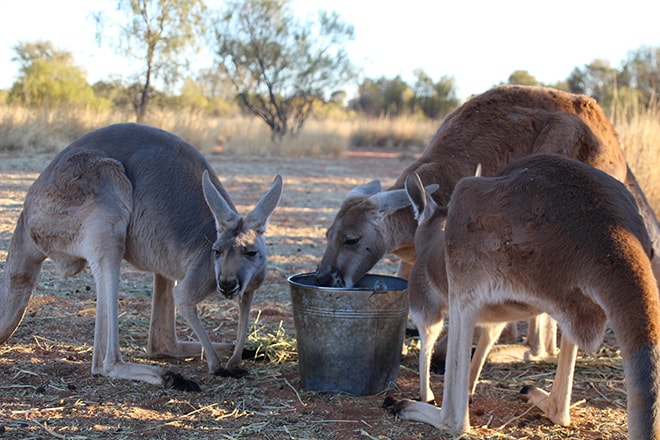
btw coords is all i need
(276, 86)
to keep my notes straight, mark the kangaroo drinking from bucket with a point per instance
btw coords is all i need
(138, 193)
(501, 125)
(566, 239)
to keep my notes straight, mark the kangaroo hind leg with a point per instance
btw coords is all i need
(102, 243)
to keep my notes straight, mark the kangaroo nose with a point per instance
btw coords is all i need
(228, 287)
(328, 279)
(323, 279)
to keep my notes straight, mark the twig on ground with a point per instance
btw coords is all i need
(45, 427)
(295, 391)
(516, 417)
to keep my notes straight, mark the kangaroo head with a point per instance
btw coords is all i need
(359, 235)
(239, 251)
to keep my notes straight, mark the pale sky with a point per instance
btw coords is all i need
(478, 42)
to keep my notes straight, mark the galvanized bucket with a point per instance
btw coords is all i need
(349, 340)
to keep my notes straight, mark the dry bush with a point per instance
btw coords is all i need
(194, 126)
(402, 132)
(46, 130)
(326, 138)
(639, 134)
(239, 135)
(249, 136)
(50, 130)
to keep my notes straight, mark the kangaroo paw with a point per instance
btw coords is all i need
(178, 382)
(234, 372)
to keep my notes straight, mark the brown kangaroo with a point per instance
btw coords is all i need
(561, 237)
(492, 129)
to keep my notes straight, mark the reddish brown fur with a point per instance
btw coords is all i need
(503, 124)
(428, 287)
(566, 239)
(492, 129)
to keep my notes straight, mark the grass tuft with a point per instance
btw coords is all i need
(277, 347)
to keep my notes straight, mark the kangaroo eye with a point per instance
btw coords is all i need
(217, 252)
(351, 241)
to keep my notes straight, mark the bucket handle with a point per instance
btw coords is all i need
(379, 288)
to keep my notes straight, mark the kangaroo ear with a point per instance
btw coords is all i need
(367, 189)
(387, 202)
(258, 218)
(225, 215)
(430, 189)
(416, 194)
(420, 197)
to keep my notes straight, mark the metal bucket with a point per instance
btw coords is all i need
(349, 340)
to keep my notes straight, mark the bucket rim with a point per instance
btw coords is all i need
(291, 280)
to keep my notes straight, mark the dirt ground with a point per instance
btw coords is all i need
(47, 390)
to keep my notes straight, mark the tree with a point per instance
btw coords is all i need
(523, 78)
(394, 97)
(338, 98)
(397, 97)
(48, 77)
(278, 66)
(157, 33)
(642, 73)
(596, 79)
(192, 96)
(369, 99)
(434, 99)
(219, 93)
(391, 97)
(116, 92)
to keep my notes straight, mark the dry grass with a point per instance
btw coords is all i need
(639, 134)
(403, 132)
(45, 131)
(51, 130)
(247, 136)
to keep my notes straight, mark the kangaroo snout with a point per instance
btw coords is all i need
(229, 287)
(328, 279)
